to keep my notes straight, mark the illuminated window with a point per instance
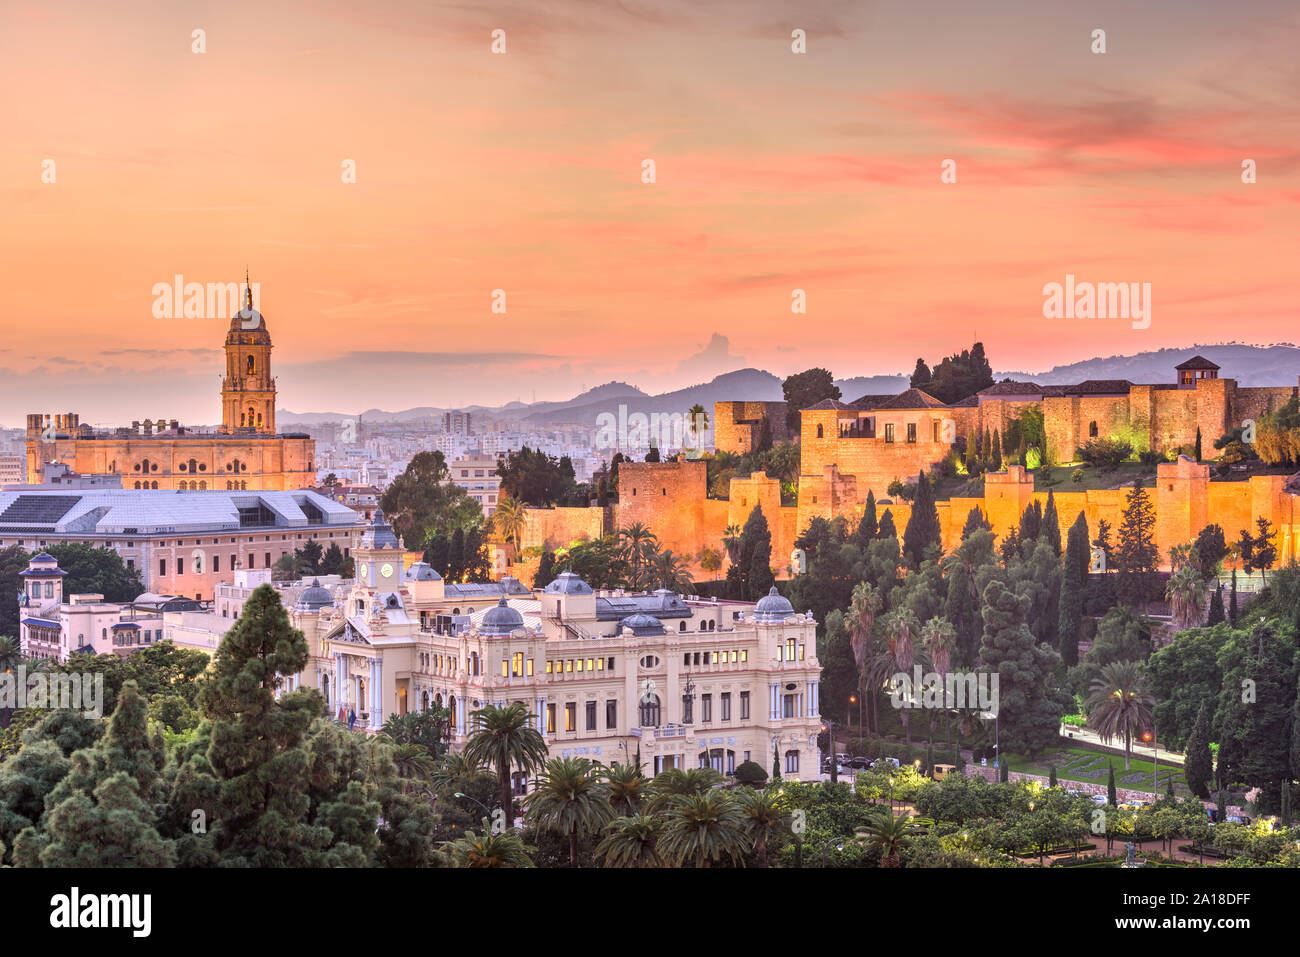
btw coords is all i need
(590, 664)
(548, 667)
(568, 665)
(579, 664)
(789, 649)
(550, 719)
(801, 652)
(600, 664)
(517, 665)
(530, 667)
(571, 716)
(505, 669)
(744, 654)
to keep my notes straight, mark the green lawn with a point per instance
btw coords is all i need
(1093, 478)
(1082, 764)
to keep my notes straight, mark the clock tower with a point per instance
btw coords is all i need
(247, 389)
(378, 556)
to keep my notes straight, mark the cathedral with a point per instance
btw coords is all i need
(244, 453)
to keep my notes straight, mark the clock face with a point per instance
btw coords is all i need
(386, 570)
(361, 570)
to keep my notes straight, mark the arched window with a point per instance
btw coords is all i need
(1092, 429)
(137, 484)
(819, 432)
(154, 485)
(241, 420)
(792, 762)
(259, 420)
(252, 365)
(650, 712)
(451, 706)
(681, 626)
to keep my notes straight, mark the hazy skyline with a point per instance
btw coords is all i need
(775, 171)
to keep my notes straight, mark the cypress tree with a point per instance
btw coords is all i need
(1072, 583)
(1198, 443)
(1051, 527)
(456, 556)
(887, 529)
(1285, 811)
(868, 527)
(1198, 765)
(756, 555)
(971, 459)
(1216, 607)
(986, 451)
(974, 520)
(1111, 797)
(997, 450)
(1004, 773)
(1169, 788)
(923, 531)
(776, 762)
(1051, 781)
(1294, 754)
(1232, 603)
(1031, 522)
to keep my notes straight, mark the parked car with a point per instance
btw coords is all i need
(842, 758)
(1074, 793)
(1099, 799)
(941, 771)
(881, 763)
(859, 764)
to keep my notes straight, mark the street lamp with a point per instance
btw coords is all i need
(1150, 738)
(486, 811)
(848, 715)
(829, 728)
(891, 795)
(826, 847)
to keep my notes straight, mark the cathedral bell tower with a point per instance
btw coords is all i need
(248, 389)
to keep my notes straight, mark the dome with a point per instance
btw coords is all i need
(773, 607)
(314, 597)
(500, 620)
(642, 624)
(421, 572)
(567, 583)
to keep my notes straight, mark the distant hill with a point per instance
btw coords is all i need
(1249, 365)
(1277, 364)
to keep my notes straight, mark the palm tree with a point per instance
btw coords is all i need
(890, 834)
(452, 768)
(504, 738)
(626, 786)
(487, 850)
(900, 626)
(1120, 704)
(702, 828)
(863, 608)
(631, 842)
(940, 638)
(11, 656)
(569, 800)
(1186, 593)
(675, 783)
(509, 519)
(414, 764)
(639, 546)
(697, 422)
(731, 542)
(763, 818)
(670, 572)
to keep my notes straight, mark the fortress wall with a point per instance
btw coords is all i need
(1251, 404)
(1067, 421)
(668, 498)
(996, 414)
(553, 527)
(736, 425)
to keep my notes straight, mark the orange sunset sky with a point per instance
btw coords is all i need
(522, 171)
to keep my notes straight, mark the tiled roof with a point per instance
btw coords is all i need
(867, 402)
(1013, 388)
(825, 404)
(913, 399)
(1100, 387)
(1196, 362)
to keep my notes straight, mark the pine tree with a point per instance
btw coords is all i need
(923, 532)
(1137, 550)
(1216, 607)
(1198, 764)
(887, 529)
(868, 527)
(1030, 704)
(1293, 756)
(102, 813)
(1051, 527)
(545, 570)
(997, 450)
(1112, 798)
(257, 753)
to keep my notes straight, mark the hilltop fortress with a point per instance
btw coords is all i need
(848, 449)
